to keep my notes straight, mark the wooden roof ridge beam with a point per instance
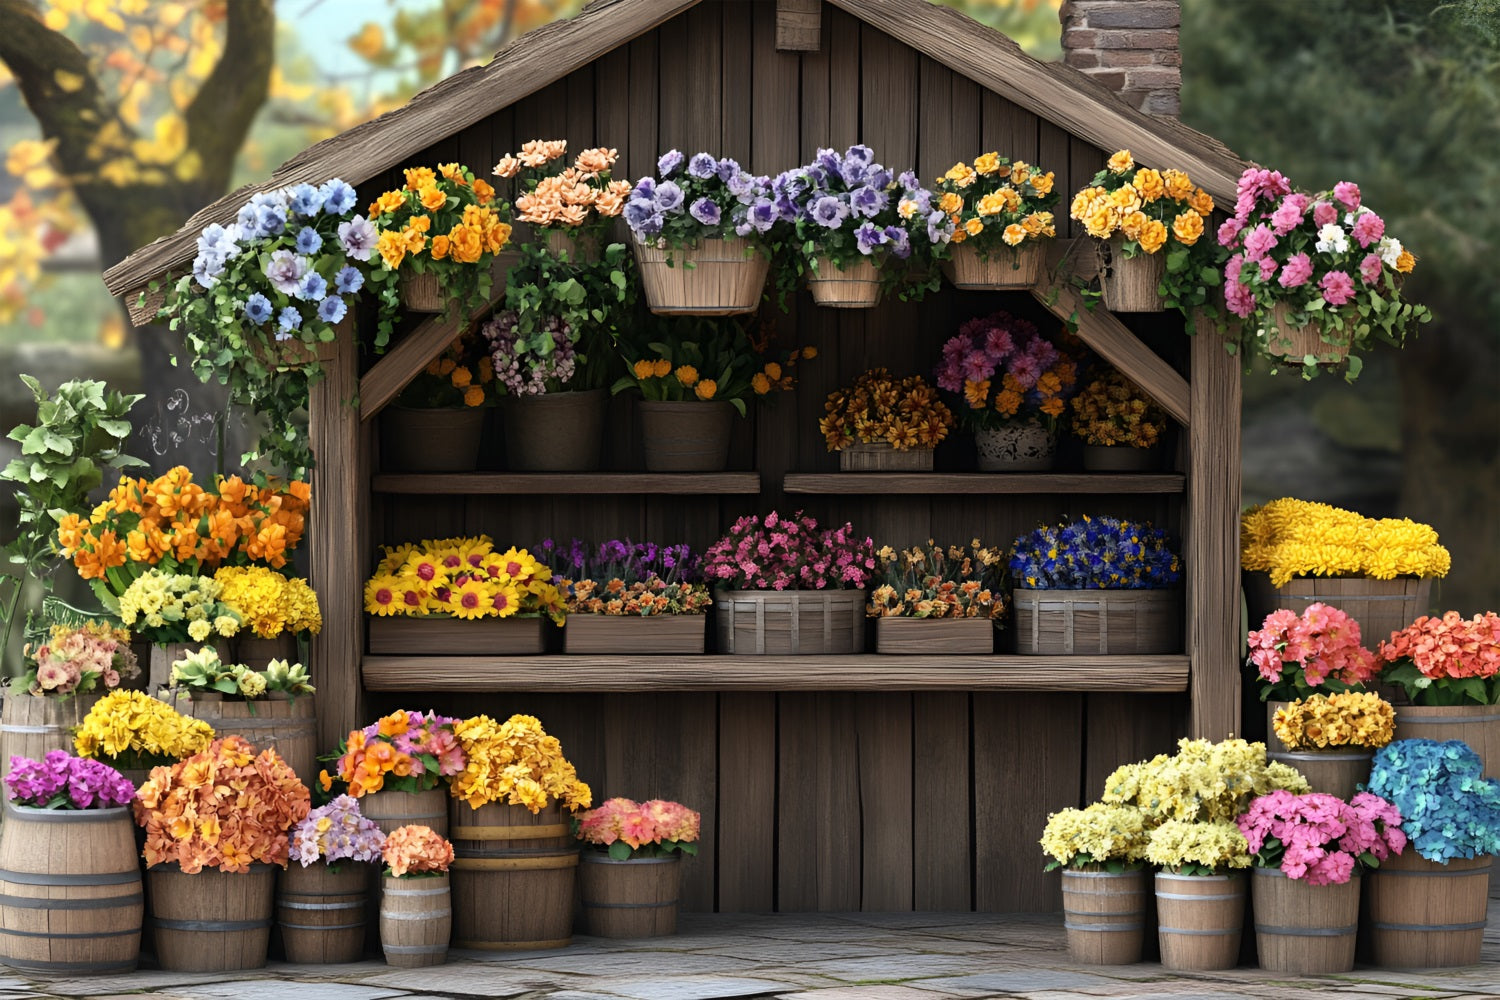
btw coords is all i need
(1098, 328)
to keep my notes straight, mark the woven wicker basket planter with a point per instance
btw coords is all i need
(1129, 284)
(713, 278)
(654, 635)
(790, 622)
(881, 457)
(854, 287)
(934, 636)
(1005, 269)
(1380, 606)
(421, 293)
(1121, 622)
(1295, 343)
(440, 636)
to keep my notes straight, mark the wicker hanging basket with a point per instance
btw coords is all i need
(790, 622)
(1295, 343)
(421, 293)
(856, 286)
(714, 277)
(1003, 269)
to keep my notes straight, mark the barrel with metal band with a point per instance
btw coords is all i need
(1424, 915)
(514, 873)
(1200, 920)
(416, 920)
(634, 898)
(211, 921)
(1104, 914)
(321, 911)
(1304, 929)
(70, 891)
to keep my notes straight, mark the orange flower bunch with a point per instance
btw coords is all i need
(1113, 411)
(415, 852)
(404, 752)
(462, 376)
(449, 214)
(225, 807)
(1148, 207)
(566, 197)
(905, 414)
(176, 525)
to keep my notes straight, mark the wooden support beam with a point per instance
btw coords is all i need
(1213, 539)
(389, 376)
(799, 25)
(339, 515)
(1104, 333)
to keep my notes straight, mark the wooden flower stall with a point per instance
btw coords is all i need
(835, 783)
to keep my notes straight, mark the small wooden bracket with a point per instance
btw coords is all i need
(799, 25)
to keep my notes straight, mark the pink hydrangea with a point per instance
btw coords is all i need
(1347, 192)
(1338, 288)
(1298, 269)
(1319, 837)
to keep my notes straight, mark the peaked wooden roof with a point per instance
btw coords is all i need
(541, 57)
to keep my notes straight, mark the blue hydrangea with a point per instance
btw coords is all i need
(314, 286)
(332, 309)
(1448, 809)
(349, 280)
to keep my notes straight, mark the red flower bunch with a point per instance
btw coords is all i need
(1447, 660)
(1296, 653)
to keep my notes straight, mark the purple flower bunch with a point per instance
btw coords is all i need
(336, 832)
(62, 781)
(542, 362)
(847, 206)
(1319, 837)
(789, 553)
(620, 559)
(702, 197)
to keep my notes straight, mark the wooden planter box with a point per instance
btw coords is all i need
(935, 636)
(881, 457)
(602, 635)
(440, 636)
(790, 622)
(1125, 622)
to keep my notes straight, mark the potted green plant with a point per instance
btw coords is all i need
(1001, 215)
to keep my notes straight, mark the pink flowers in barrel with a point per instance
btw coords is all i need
(62, 781)
(77, 659)
(789, 553)
(1321, 838)
(628, 829)
(1320, 647)
(1322, 262)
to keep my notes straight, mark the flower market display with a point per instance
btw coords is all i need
(879, 415)
(461, 577)
(1313, 277)
(1342, 719)
(132, 731)
(1010, 384)
(1321, 647)
(333, 833)
(202, 672)
(404, 752)
(515, 763)
(62, 781)
(855, 233)
(77, 659)
(441, 228)
(1000, 215)
(1289, 538)
(1445, 661)
(1114, 418)
(265, 292)
(1152, 224)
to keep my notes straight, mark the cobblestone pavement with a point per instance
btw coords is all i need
(863, 956)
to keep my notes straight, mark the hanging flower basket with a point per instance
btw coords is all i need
(854, 286)
(1130, 283)
(1004, 269)
(713, 277)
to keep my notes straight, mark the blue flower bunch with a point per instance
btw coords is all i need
(1448, 809)
(1095, 553)
(703, 197)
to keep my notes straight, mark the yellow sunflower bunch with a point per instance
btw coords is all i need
(1349, 718)
(997, 202)
(1112, 411)
(1148, 207)
(130, 728)
(515, 762)
(1290, 537)
(463, 578)
(268, 602)
(904, 413)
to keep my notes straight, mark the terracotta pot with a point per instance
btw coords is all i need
(1026, 446)
(686, 435)
(555, 432)
(444, 439)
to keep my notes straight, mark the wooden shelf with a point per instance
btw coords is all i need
(680, 483)
(865, 672)
(984, 482)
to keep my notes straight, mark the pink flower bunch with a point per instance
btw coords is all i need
(1448, 647)
(1321, 837)
(790, 553)
(638, 824)
(336, 832)
(76, 657)
(1295, 653)
(62, 781)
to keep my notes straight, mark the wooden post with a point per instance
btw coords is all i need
(1213, 538)
(339, 509)
(799, 25)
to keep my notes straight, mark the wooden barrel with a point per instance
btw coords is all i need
(1380, 606)
(1425, 915)
(1304, 929)
(1200, 919)
(30, 726)
(629, 899)
(321, 912)
(1104, 914)
(854, 287)
(513, 877)
(390, 810)
(212, 921)
(1335, 771)
(275, 722)
(70, 891)
(1476, 725)
(416, 920)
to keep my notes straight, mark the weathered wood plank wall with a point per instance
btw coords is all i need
(828, 801)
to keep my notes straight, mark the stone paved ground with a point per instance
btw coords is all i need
(787, 957)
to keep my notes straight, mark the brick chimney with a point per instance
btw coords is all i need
(1130, 46)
